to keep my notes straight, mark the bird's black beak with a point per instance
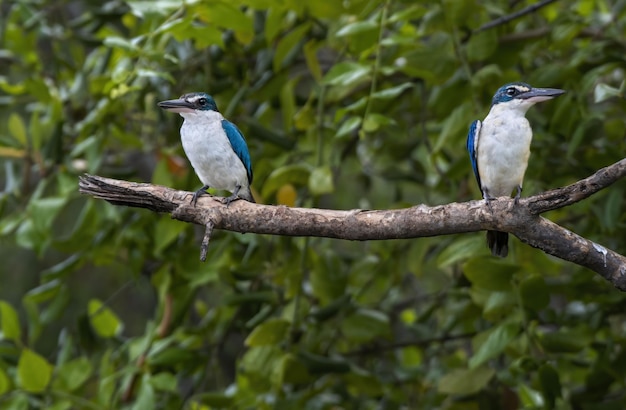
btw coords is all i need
(541, 94)
(178, 105)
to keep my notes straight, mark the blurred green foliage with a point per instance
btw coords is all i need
(345, 104)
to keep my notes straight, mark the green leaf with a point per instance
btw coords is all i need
(122, 43)
(458, 12)
(322, 9)
(482, 45)
(530, 398)
(258, 362)
(10, 323)
(550, 385)
(164, 381)
(613, 208)
(321, 181)
(33, 372)
(273, 23)
(229, 16)
(166, 232)
(494, 344)
(30, 238)
(146, 398)
(270, 332)
(365, 325)
(434, 60)
(489, 273)
(17, 129)
(393, 92)
(365, 383)
(374, 121)
(460, 249)
(465, 381)
(142, 8)
(103, 320)
(161, 174)
(346, 73)
(172, 356)
(45, 292)
(312, 61)
(317, 364)
(288, 103)
(73, 374)
(289, 370)
(534, 292)
(485, 76)
(562, 341)
(331, 309)
(498, 304)
(5, 382)
(358, 27)
(348, 126)
(297, 175)
(203, 35)
(43, 211)
(287, 45)
(217, 400)
(457, 123)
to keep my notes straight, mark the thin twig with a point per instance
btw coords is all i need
(204, 248)
(505, 19)
(409, 343)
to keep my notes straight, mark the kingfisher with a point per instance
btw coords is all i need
(499, 147)
(215, 146)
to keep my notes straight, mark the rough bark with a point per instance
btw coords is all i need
(521, 220)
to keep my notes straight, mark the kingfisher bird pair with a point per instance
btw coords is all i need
(499, 147)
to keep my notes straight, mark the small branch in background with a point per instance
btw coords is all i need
(166, 320)
(378, 349)
(509, 17)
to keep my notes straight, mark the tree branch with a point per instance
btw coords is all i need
(561, 197)
(418, 221)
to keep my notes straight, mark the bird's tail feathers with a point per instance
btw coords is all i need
(498, 242)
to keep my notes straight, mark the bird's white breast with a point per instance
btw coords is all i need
(503, 150)
(209, 151)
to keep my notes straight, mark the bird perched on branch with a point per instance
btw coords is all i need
(499, 147)
(215, 147)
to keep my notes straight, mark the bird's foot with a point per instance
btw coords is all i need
(233, 197)
(518, 195)
(488, 199)
(197, 194)
(230, 199)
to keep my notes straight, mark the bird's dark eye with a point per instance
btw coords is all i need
(202, 101)
(511, 91)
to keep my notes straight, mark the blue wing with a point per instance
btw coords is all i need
(472, 143)
(238, 142)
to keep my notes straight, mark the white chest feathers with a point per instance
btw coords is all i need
(210, 152)
(503, 150)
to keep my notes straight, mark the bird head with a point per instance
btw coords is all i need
(189, 103)
(522, 95)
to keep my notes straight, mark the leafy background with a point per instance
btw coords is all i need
(345, 104)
